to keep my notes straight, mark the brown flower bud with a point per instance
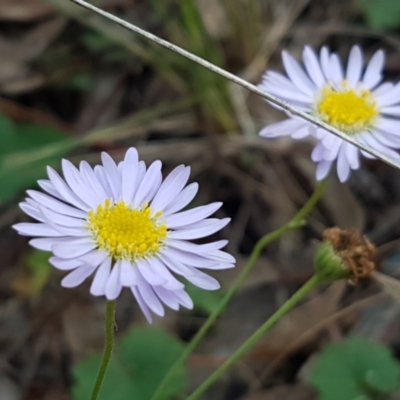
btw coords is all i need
(345, 254)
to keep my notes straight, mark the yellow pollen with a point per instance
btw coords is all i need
(347, 110)
(126, 233)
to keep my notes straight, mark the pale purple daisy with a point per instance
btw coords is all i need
(124, 224)
(351, 99)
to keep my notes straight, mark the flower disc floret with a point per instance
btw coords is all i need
(127, 233)
(347, 110)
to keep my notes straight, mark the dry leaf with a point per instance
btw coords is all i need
(15, 73)
(389, 284)
(286, 392)
(23, 10)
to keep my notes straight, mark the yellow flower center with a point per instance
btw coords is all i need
(126, 233)
(347, 110)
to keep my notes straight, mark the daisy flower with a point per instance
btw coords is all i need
(352, 99)
(123, 224)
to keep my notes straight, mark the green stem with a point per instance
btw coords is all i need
(257, 335)
(110, 318)
(296, 222)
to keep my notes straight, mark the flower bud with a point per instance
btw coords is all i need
(328, 265)
(344, 254)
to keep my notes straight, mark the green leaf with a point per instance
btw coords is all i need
(25, 151)
(381, 14)
(40, 268)
(136, 369)
(354, 370)
(204, 300)
(83, 81)
(96, 42)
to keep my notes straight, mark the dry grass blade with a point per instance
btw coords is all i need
(389, 284)
(239, 81)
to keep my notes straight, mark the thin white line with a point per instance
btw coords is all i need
(239, 81)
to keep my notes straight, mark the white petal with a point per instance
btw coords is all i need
(32, 211)
(98, 287)
(75, 181)
(64, 230)
(182, 199)
(332, 146)
(383, 88)
(142, 304)
(95, 257)
(343, 167)
(302, 132)
(184, 299)
(167, 297)
(312, 65)
(77, 276)
(129, 175)
(393, 111)
(113, 175)
(273, 78)
(373, 72)
(97, 191)
(297, 74)
(113, 285)
(368, 139)
(63, 220)
(288, 95)
(354, 65)
(367, 155)
(324, 61)
(335, 68)
(46, 185)
(55, 205)
(282, 128)
(150, 272)
(189, 259)
(193, 275)
(318, 152)
(150, 179)
(196, 248)
(102, 177)
(221, 256)
(129, 273)
(170, 188)
(36, 229)
(150, 298)
(388, 125)
(213, 246)
(74, 248)
(386, 138)
(390, 97)
(191, 216)
(63, 264)
(65, 191)
(45, 244)
(171, 283)
(323, 169)
(352, 155)
(203, 281)
(203, 228)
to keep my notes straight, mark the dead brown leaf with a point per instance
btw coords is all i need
(286, 392)
(15, 73)
(389, 284)
(298, 321)
(83, 341)
(23, 10)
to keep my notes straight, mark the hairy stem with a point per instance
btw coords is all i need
(109, 344)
